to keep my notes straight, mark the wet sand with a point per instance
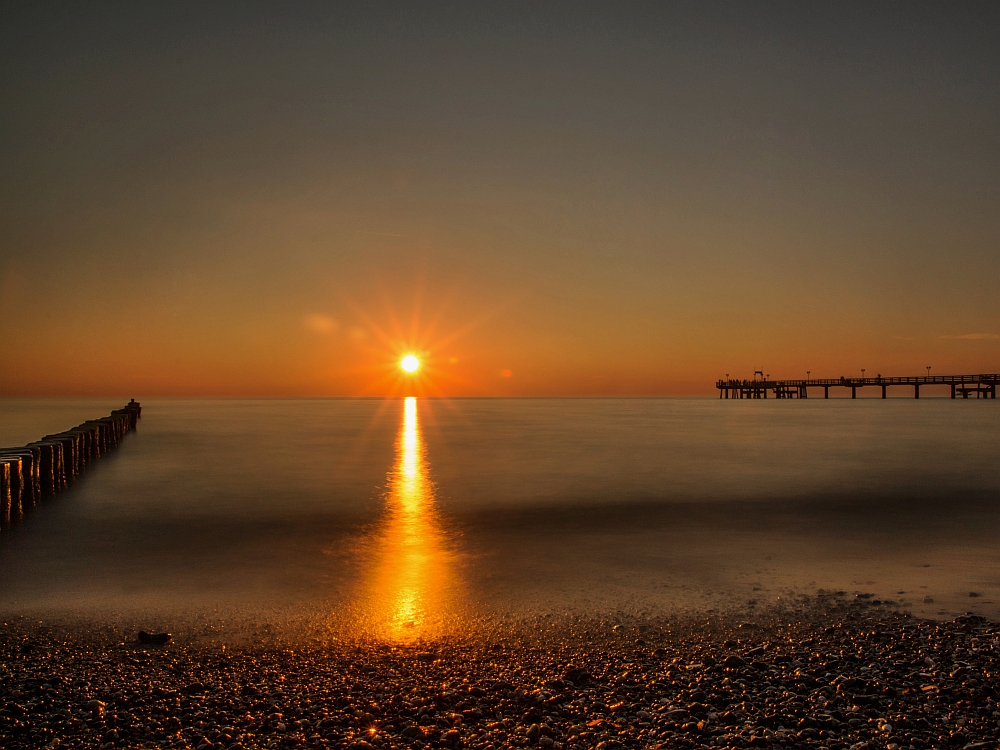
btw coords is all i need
(825, 671)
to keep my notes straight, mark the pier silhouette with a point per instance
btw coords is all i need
(984, 386)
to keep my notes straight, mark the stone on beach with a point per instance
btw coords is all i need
(154, 638)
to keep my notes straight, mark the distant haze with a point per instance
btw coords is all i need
(235, 199)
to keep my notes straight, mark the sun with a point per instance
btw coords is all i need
(410, 363)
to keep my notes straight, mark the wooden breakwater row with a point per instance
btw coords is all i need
(43, 468)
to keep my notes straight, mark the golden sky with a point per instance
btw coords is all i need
(621, 199)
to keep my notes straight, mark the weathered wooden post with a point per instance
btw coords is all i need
(61, 471)
(101, 437)
(112, 432)
(29, 480)
(83, 448)
(68, 443)
(36, 458)
(31, 494)
(50, 466)
(79, 463)
(4, 494)
(15, 482)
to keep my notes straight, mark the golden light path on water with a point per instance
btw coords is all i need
(411, 591)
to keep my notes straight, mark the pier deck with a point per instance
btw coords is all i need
(984, 386)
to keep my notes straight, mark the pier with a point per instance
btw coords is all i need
(964, 386)
(41, 469)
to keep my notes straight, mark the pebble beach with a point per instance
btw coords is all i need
(830, 671)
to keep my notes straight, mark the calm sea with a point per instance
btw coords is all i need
(401, 518)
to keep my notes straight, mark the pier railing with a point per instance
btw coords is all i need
(983, 386)
(32, 472)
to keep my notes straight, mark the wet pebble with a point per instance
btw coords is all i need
(835, 674)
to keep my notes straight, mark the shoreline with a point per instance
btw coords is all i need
(833, 674)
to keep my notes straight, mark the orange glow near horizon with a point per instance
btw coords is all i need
(410, 593)
(467, 344)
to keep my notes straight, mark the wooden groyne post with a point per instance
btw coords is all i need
(43, 468)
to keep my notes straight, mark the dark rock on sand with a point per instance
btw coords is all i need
(154, 638)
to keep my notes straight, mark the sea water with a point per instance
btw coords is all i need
(402, 517)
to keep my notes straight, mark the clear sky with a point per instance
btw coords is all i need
(537, 198)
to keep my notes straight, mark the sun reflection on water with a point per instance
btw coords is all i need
(411, 591)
